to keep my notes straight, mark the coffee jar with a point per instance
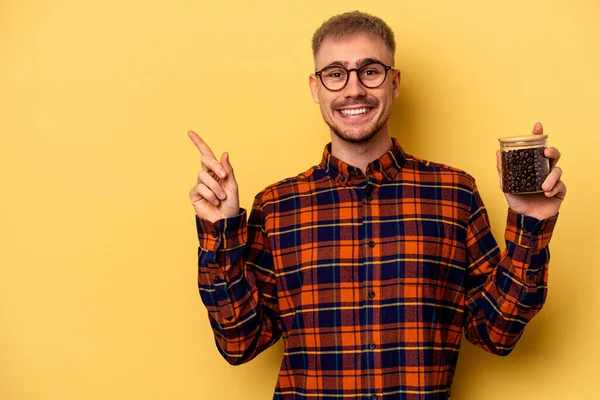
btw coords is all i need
(524, 166)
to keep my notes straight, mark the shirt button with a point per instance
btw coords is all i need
(372, 346)
(352, 172)
(531, 276)
(343, 179)
(371, 244)
(217, 279)
(369, 197)
(227, 233)
(371, 294)
(374, 397)
(214, 234)
(525, 230)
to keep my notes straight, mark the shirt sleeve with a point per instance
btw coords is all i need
(504, 290)
(237, 284)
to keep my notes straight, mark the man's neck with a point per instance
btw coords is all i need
(361, 154)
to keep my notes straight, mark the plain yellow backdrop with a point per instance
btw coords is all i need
(98, 293)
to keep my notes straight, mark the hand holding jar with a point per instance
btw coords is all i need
(529, 176)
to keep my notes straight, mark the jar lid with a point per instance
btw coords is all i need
(521, 139)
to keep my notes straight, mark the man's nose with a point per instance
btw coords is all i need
(354, 88)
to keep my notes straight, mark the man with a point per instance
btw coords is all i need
(371, 264)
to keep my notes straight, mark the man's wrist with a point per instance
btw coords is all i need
(540, 216)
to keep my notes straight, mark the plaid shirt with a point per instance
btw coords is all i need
(370, 279)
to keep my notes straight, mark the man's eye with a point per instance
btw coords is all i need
(336, 74)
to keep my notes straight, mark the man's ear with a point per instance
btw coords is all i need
(314, 87)
(396, 84)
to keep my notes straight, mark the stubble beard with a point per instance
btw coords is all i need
(351, 136)
(361, 137)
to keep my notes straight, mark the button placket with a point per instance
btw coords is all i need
(369, 189)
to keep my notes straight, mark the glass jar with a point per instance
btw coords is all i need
(524, 166)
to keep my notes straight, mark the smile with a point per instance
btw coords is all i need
(354, 111)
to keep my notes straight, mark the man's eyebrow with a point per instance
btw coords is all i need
(365, 61)
(337, 64)
(359, 63)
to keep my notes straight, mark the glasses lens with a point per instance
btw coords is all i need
(372, 75)
(334, 78)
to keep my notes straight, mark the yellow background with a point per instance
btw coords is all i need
(98, 293)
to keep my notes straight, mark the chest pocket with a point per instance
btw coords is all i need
(426, 275)
(320, 270)
(429, 252)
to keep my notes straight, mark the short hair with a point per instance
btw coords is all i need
(350, 23)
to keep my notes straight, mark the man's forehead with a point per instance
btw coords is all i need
(352, 51)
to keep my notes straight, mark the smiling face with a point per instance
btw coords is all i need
(356, 113)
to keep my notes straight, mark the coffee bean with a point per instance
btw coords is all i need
(524, 170)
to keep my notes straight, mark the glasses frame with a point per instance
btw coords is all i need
(386, 67)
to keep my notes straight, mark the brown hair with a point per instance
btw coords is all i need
(350, 23)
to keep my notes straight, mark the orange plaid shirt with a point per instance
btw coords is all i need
(370, 279)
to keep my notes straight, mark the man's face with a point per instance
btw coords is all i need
(344, 111)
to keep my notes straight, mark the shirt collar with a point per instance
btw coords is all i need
(383, 169)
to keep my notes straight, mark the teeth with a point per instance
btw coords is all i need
(355, 111)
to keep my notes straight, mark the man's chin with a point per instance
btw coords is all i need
(355, 137)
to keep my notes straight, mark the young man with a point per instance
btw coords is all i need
(371, 264)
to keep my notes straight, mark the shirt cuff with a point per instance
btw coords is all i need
(224, 234)
(529, 232)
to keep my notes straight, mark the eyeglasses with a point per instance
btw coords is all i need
(371, 75)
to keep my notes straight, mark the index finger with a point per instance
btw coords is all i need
(200, 144)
